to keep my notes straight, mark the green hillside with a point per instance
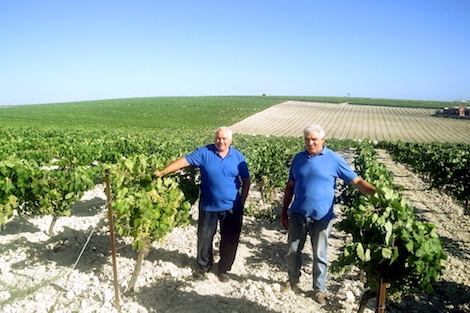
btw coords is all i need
(172, 113)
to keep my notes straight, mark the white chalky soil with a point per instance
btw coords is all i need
(37, 272)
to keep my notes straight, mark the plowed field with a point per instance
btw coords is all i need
(346, 121)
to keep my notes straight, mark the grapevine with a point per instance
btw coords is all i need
(146, 208)
(387, 241)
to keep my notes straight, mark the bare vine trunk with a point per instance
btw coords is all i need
(365, 298)
(144, 251)
(51, 227)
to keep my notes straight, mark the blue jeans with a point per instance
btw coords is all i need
(230, 229)
(319, 232)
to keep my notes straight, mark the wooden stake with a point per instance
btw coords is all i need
(382, 295)
(113, 245)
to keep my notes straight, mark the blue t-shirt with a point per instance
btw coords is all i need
(315, 182)
(220, 177)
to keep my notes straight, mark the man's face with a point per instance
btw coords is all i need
(313, 143)
(222, 141)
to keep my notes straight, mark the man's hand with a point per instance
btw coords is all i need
(363, 186)
(159, 173)
(172, 167)
(284, 220)
(288, 195)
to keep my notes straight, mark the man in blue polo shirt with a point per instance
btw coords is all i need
(311, 185)
(223, 171)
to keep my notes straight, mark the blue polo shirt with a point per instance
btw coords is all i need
(315, 182)
(220, 177)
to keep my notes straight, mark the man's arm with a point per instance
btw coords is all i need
(288, 195)
(172, 167)
(246, 182)
(363, 186)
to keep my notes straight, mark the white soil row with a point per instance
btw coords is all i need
(346, 121)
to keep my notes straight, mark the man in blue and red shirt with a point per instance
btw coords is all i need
(223, 172)
(311, 185)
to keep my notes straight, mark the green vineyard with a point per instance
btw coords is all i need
(44, 171)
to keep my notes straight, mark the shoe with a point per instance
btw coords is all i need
(288, 286)
(320, 297)
(223, 277)
(200, 273)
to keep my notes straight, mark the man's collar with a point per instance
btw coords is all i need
(228, 153)
(322, 152)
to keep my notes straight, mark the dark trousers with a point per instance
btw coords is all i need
(230, 228)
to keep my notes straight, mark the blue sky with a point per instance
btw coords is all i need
(61, 51)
